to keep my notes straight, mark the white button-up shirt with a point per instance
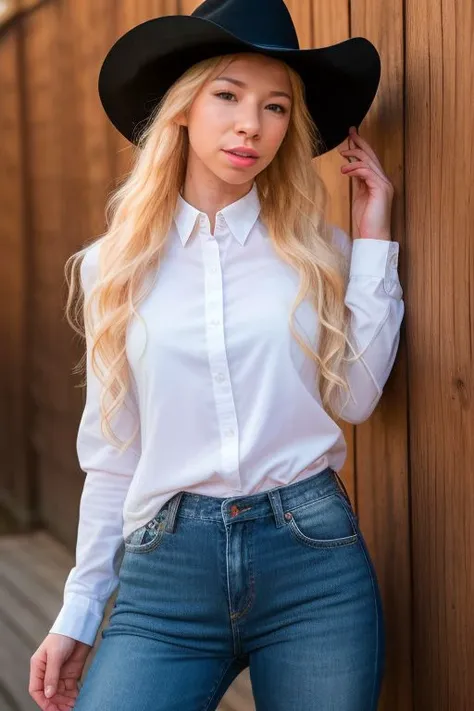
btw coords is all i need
(226, 398)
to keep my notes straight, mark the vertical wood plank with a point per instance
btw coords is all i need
(440, 215)
(381, 442)
(188, 6)
(49, 376)
(94, 130)
(14, 474)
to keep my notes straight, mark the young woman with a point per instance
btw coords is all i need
(228, 327)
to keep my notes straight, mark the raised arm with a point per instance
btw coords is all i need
(374, 297)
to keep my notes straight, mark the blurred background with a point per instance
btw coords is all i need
(409, 469)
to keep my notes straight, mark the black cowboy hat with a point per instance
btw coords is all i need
(340, 80)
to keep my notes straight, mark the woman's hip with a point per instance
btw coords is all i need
(250, 565)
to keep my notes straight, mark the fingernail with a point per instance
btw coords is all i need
(48, 692)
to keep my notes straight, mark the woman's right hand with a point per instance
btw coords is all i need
(57, 663)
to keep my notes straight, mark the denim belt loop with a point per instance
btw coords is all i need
(173, 505)
(275, 501)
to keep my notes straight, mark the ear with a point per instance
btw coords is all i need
(181, 120)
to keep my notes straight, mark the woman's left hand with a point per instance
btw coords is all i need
(373, 191)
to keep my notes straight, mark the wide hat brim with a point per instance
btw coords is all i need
(341, 80)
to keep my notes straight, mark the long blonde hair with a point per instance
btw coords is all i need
(139, 215)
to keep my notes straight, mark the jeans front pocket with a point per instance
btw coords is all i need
(323, 523)
(147, 537)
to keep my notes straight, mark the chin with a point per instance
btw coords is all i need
(234, 177)
(241, 179)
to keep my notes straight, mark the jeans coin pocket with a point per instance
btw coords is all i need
(323, 523)
(147, 537)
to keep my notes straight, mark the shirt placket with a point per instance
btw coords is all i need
(217, 354)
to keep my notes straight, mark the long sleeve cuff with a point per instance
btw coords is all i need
(374, 297)
(79, 618)
(378, 259)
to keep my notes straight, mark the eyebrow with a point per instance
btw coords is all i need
(243, 85)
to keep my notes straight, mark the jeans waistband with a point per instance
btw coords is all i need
(274, 501)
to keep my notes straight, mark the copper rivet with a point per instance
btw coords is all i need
(288, 515)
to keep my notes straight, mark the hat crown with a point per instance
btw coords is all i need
(269, 26)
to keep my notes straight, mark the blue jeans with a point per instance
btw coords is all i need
(280, 581)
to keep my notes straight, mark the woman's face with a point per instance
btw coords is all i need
(247, 106)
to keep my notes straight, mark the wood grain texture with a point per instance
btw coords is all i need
(14, 473)
(186, 7)
(440, 216)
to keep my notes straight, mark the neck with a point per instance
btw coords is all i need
(209, 193)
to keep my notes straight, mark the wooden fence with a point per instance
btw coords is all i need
(409, 467)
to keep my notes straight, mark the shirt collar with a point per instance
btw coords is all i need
(240, 216)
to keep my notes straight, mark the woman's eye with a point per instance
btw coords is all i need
(281, 109)
(225, 93)
(278, 106)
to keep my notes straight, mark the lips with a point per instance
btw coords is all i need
(239, 161)
(243, 153)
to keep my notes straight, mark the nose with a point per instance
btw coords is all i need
(248, 121)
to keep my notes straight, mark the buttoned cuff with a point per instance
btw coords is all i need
(374, 257)
(378, 259)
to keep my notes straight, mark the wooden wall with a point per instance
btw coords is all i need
(440, 283)
(409, 467)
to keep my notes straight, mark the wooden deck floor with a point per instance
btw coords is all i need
(33, 569)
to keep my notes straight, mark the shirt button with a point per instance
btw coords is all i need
(229, 433)
(213, 270)
(215, 322)
(394, 260)
(220, 377)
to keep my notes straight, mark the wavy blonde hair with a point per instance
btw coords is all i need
(139, 215)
